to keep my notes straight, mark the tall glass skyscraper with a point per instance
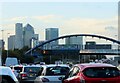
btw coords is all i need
(18, 35)
(52, 33)
(28, 35)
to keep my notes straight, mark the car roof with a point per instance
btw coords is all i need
(53, 65)
(87, 65)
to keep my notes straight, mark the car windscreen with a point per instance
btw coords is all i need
(101, 72)
(18, 68)
(32, 69)
(57, 70)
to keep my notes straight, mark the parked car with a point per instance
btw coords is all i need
(7, 76)
(93, 73)
(29, 73)
(52, 73)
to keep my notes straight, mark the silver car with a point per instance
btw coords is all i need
(52, 73)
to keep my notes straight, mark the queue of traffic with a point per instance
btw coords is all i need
(60, 73)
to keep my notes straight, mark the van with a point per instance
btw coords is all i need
(11, 61)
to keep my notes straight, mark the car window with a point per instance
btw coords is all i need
(32, 69)
(101, 72)
(75, 71)
(57, 70)
(18, 68)
(7, 79)
(40, 71)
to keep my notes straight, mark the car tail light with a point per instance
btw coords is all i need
(24, 75)
(82, 80)
(45, 80)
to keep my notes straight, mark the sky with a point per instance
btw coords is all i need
(71, 17)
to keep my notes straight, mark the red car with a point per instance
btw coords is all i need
(93, 73)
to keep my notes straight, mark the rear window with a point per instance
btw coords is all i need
(18, 68)
(101, 72)
(56, 71)
(32, 69)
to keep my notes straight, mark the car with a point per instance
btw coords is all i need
(7, 76)
(93, 73)
(17, 69)
(52, 73)
(29, 73)
(11, 61)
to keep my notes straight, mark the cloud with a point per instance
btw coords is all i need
(47, 18)
(90, 25)
(18, 18)
(73, 25)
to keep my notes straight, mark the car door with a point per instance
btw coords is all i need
(72, 76)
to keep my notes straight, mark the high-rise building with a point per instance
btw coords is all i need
(28, 35)
(2, 43)
(52, 33)
(35, 40)
(11, 42)
(18, 35)
(74, 41)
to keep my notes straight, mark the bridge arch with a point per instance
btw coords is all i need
(75, 35)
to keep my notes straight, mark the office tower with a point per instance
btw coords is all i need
(28, 35)
(119, 24)
(11, 42)
(75, 41)
(2, 43)
(35, 40)
(18, 35)
(52, 33)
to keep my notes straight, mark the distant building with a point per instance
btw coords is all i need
(28, 35)
(119, 24)
(18, 35)
(2, 43)
(74, 41)
(52, 33)
(35, 40)
(11, 42)
(93, 45)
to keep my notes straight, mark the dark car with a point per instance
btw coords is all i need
(93, 73)
(29, 73)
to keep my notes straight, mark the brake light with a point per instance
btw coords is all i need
(82, 80)
(45, 80)
(24, 75)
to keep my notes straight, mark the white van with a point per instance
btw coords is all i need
(11, 61)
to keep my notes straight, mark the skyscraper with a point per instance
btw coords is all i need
(52, 33)
(18, 35)
(11, 42)
(35, 40)
(28, 35)
(74, 41)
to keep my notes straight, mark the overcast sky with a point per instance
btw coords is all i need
(71, 17)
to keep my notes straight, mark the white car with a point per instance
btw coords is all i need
(52, 74)
(7, 76)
